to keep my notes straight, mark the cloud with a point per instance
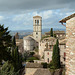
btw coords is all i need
(18, 14)
(22, 6)
(1, 18)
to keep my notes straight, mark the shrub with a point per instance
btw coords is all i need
(31, 59)
(32, 53)
(44, 65)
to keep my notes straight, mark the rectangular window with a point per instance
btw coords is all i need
(36, 22)
(48, 60)
(50, 46)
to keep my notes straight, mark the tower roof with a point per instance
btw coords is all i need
(37, 17)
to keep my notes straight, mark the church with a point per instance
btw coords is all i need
(30, 42)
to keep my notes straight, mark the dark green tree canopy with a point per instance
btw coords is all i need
(56, 56)
(5, 43)
(51, 32)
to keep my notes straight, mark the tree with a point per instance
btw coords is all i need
(5, 43)
(56, 56)
(17, 59)
(8, 69)
(55, 35)
(51, 32)
(14, 41)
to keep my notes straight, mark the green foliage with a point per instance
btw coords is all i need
(8, 69)
(32, 53)
(44, 65)
(17, 59)
(32, 59)
(54, 35)
(56, 56)
(36, 49)
(5, 43)
(25, 56)
(51, 32)
(14, 41)
(52, 71)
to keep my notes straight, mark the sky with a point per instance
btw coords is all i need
(18, 14)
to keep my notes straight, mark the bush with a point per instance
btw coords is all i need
(32, 53)
(44, 65)
(31, 59)
(8, 69)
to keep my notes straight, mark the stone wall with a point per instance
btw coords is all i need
(70, 47)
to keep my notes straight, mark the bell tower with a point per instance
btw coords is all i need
(37, 27)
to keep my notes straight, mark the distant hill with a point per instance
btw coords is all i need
(23, 33)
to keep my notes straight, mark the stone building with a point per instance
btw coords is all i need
(59, 34)
(37, 27)
(17, 36)
(42, 45)
(29, 44)
(46, 54)
(36, 69)
(70, 45)
(19, 43)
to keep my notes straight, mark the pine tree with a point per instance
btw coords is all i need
(5, 43)
(51, 32)
(56, 56)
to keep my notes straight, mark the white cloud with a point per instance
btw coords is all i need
(1, 18)
(18, 17)
(46, 14)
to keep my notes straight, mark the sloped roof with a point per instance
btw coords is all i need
(50, 38)
(55, 32)
(42, 72)
(67, 18)
(28, 38)
(37, 17)
(63, 42)
(33, 65)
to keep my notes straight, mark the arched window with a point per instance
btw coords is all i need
(37, 22)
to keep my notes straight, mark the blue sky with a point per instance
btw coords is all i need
(18, 15)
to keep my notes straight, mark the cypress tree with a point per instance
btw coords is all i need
(17, 59)
(14, 41)
(56, 56)
(51, 32)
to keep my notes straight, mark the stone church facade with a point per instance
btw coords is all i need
(30, 42)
